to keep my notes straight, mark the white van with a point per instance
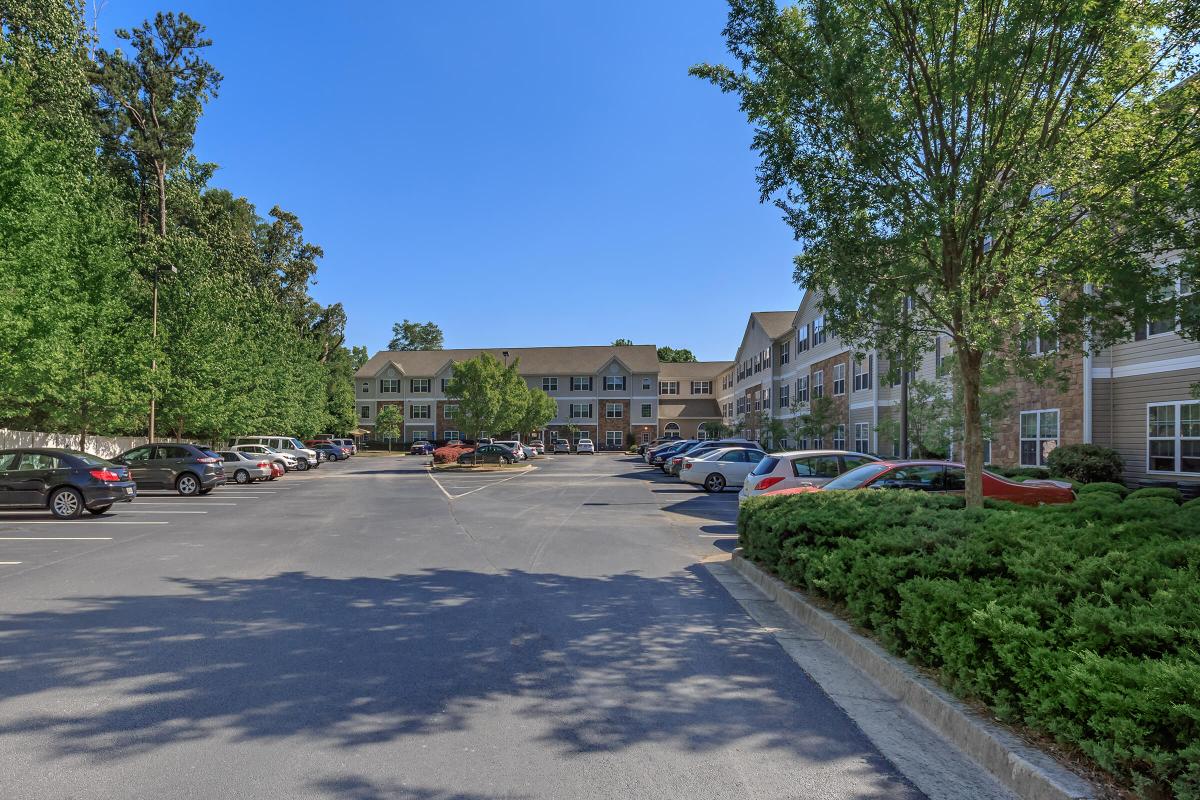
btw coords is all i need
(304, 456)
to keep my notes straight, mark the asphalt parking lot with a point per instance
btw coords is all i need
(373, 630)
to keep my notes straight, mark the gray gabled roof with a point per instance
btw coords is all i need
(582, 360)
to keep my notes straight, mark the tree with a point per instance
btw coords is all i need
(715, 429)
(970, 168)
(358, 357)
(415, 336)
(819, 421)
(540, 408)
(622, 343)
(491, 398)
(389, 424)
(673, 356)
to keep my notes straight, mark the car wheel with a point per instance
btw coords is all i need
(302, 465)
(241, 476)
(99, 509)
(66, 504)
(714, 483)
(187, 485)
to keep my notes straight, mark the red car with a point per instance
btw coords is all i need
(276, 470)
(943, 477)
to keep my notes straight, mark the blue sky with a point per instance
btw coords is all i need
(523, 174)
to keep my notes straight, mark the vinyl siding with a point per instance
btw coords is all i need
(1119, 415)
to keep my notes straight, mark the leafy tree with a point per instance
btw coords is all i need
(389, 423)
(672, 356)
(415, 336)
(359, 356)
(970, 168)
(819, 421)
(490, 397)
(539, 409)
(622, 343)
(715, 429)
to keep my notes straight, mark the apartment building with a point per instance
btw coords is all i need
(688, 397)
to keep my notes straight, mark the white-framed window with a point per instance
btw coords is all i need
(802, 389)
(785, 352)
(453, 436)
(818, 384)
(701, 387)
(1173, 437)
(839, 437)
(1037, 344)
(581, 410)
(420, 436)
(614, 383)
(1166, 324)
(784, 400)
(419, 385)
(549, 384)
(839, 379)
(863, 372)
(668, 387)
(581, 383)
(758, 401)
(364, 412)
(646, 383)
(1039, 436)
(448, 411)
(419, 412)
(581, 435)
(645, 437)
(671, 429)
(389, 385)
(614, 411)
(802, 340)
(741, 405)
(758, 363)
(445, 383)
(647, 410)
(862, 437)
(818, 330)
(366, 387)
(614, 439)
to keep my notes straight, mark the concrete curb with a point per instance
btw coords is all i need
(1025, 770)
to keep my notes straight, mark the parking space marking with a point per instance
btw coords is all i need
(478, 488)
(155, 511)
(9, 563)
(79, 522)
(55, 538)
(177, 502)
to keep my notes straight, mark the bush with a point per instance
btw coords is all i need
(1086, 463)
(1081, 620)
(1164, 492)
(450, 453)
(1104, 487)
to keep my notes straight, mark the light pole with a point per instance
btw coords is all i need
(154, 339)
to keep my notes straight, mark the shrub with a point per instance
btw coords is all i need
(1086, 463)
(1081, 620)
(1165, 492)
(1105, 487)
(450, 453)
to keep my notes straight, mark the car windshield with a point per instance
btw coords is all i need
(296, 444)
(856, 477)
(91, 460)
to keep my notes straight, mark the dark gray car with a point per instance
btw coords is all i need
(185, 468)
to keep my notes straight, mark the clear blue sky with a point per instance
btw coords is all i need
(524, 173)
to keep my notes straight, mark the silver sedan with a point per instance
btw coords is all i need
(245, 467)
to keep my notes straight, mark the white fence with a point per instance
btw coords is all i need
(103, 446)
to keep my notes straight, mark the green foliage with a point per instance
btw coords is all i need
(416, 336)
(491, 398)
(539, 409)
(622, 343)
(389, 423)
(671, 355)
(1082, 620)
(1105, 487)
(1086, 463)
(1161, 492)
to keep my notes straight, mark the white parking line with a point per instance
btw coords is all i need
(177, 502)
(55, 538)
(717, 535)
(155, 511)
(79, 522)
(9, 563)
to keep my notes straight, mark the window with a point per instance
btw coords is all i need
(758, 363)
(1166, 324)
(445, 383)
(645, 437)
(389, 385)
(671, 429)
(839, 379)
(862, 437)
(581, 435)
(1039, 436)
(581, 410)
(364, 412)
(924, 478)
(1173, 437)
(449, 411)
(614, 411)
(818, 384)
(366, 387)
(784, 390)
(758, 402)
(862, 376)
(701, 387)
(802, 340)
(839, 437)
(741, 405)
(647, 410)
(818, 330)
(785, 353)
(814, 466)
(614, 439)
(1043, 341)
(668, 387)
(614, 383)
(419, 412)
(581, 384)
(645, 384)
(802, 389)
(549, 384)
(420, 436)
(419, 385)
(453, 436)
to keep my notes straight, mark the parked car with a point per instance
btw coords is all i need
(717, 469)
(277, 469)
(305, 457)
(421, 448)
(328, 451)
(562, 446)
(186, 468)
(286, 461)
(529, 451)
(489, 454)
(515, 446)
(64, 481)
(800, 468)
(642, 448)
(660, 454)
(347, 444)
(942, 477)
(673, 464)
(245, 467)
(585, 446)
(539, 447)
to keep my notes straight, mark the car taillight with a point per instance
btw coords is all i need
(105, 475)
(266, 464)
(207, 460)
(767, 483)
(687, 465)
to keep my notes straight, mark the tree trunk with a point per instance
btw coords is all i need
(969, 362)
(161, 168)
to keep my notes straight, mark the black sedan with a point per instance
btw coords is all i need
(489, 454)
(64, 481)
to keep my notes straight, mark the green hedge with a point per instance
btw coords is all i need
(1081, 620)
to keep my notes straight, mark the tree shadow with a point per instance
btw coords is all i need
(592, 663)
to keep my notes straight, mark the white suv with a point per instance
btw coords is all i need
(305, 457)
(585, 446)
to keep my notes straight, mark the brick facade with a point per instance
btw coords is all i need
(1029, 396)
(620, 424)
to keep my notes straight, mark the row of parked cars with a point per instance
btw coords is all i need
(716, 465)
(69, 482)
(508, 451)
